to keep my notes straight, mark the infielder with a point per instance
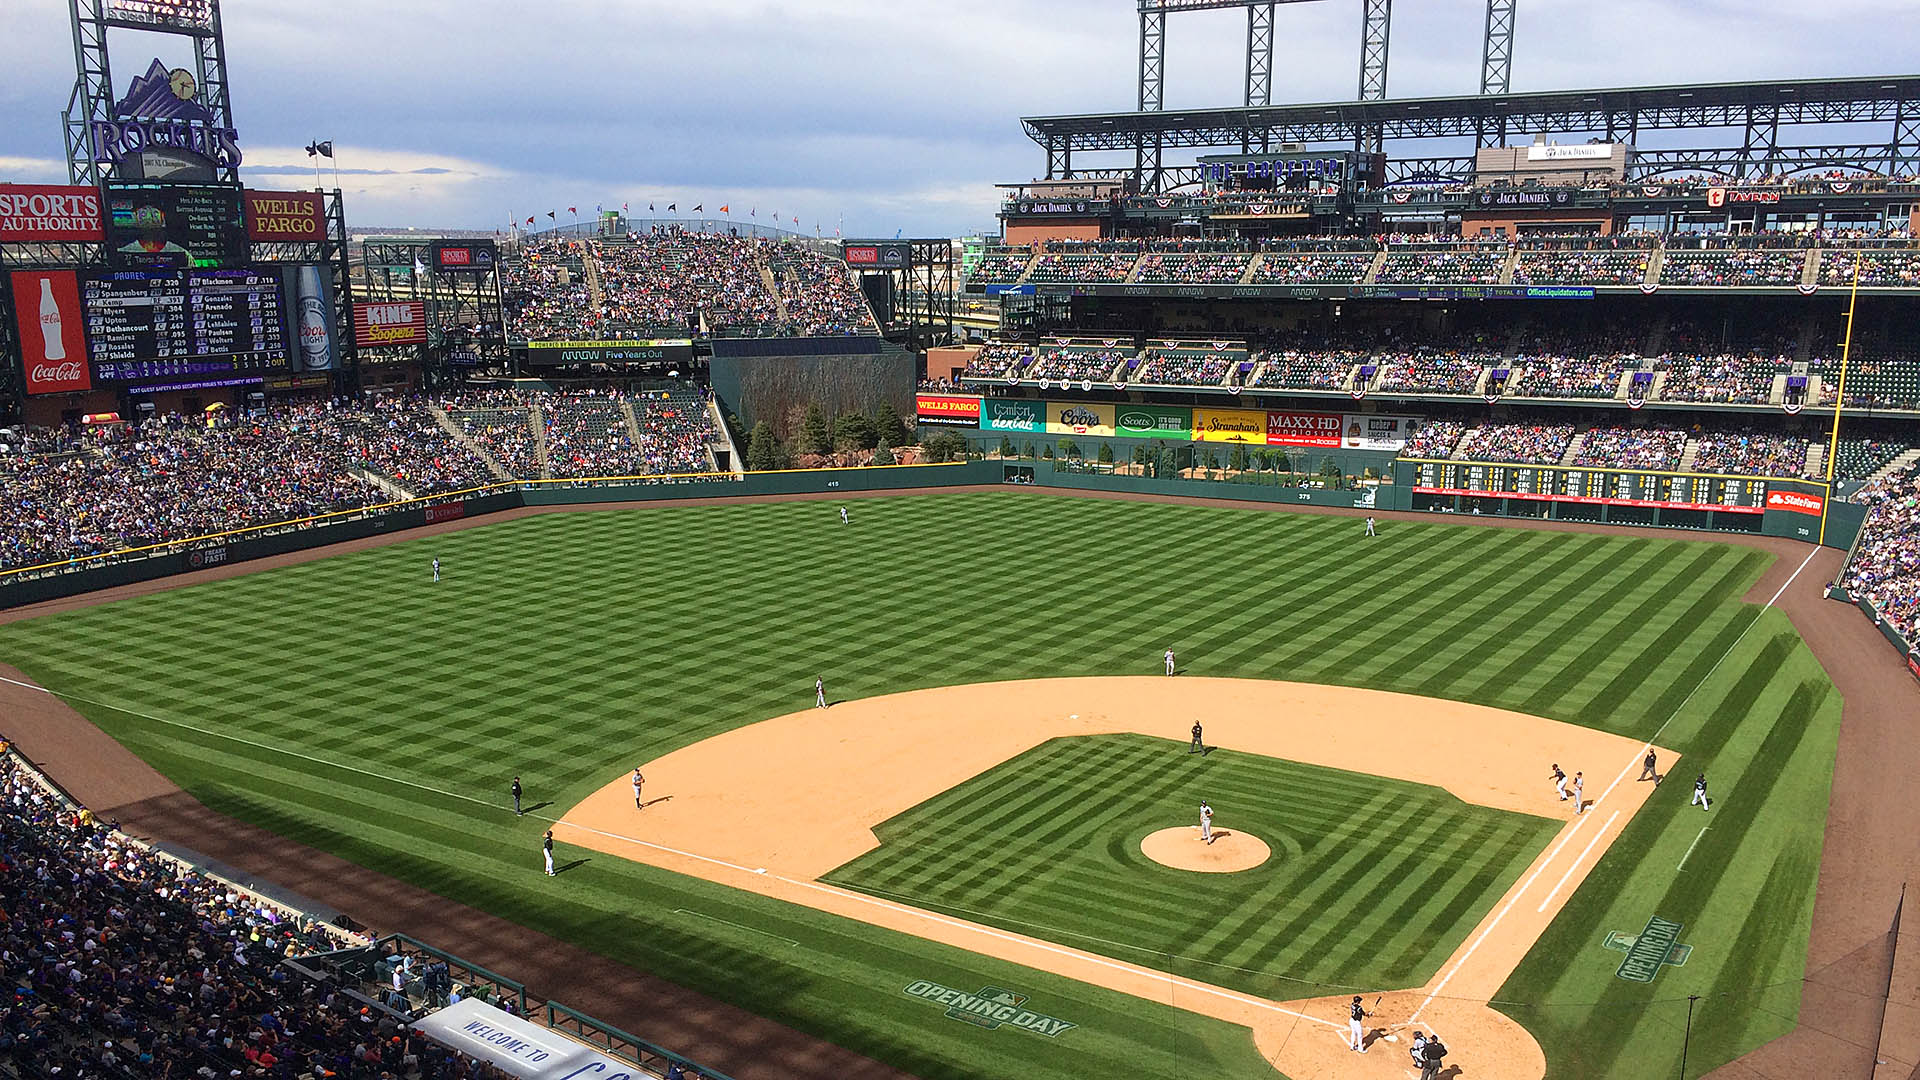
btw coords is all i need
(637, 781)
(1169, 661)
(1559, 781)
(1356, 1032)
(1370, 528)
(843, 515)
(1198, 747)
(1206, 824)
(819, 694)
(1579, 785)
(1700, 793)
(436, 568)
(546, 848)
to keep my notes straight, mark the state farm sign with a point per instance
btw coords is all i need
(1798, 502)
(46, 214)
(396, 323)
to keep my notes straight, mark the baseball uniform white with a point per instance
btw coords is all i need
(1169, 661)
(1206, 823)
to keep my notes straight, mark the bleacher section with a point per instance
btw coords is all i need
(1080, 360)
(1444, 264)
(1199, 268)
(1583, 266)
(1108, 267)
(1318, 267)
(1741, 268)
(1169, 362)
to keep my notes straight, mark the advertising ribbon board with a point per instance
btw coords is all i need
(1230, 425)
(1153, 422)
(1303, 429)
(998, 414)
(950, 409)
(1798, 502)
(1372, 431)
(1075, 418)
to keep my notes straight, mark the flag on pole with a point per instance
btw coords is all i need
(419, 267)
(699, 208)
(320, 149)
(572, 210)
(529, 220)
(723, 209)
(550, 215)
(674, 206)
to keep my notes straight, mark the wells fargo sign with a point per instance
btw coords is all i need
(289, 216)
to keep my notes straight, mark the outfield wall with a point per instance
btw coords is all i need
(55, 581)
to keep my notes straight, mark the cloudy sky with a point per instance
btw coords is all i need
(884, 114)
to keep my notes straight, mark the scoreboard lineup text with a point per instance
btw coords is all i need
(1606, 487)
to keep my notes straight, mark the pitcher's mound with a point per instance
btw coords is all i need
(1182, 849)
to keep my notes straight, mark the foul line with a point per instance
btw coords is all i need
(1648, 745)
(1690, 847)
(1575, 865)
(735, 925)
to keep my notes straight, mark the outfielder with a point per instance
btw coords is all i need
(1206, 824)
(1169, 661)
(436, 568)
(637, 781)
(1356, 1031)
(1370, 528)
(1559, 781)
(843, 515)
(819, 694)
(546, 849)
(1700, 793)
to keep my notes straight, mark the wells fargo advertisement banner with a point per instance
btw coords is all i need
(295, 216)
(1075, 418)
(1153, 422)
(1230, 425)
(1003, 414)
(954, 409)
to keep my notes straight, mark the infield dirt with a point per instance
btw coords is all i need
(773, 806)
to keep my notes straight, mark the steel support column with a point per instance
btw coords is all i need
(1496, 67)
(92, 97)
(1904, 151)
(210, 67)
(1376, 18)
(1760, 141)
(1153, 43)
(1259, 54)
(1059, 159)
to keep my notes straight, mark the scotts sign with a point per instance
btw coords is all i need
(53, 339)
(1798, 502)
(44, 214)
(160, 113)
(395, 323)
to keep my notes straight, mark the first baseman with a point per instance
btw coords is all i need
(637, 781)
(1206, 823)
(1579, 785)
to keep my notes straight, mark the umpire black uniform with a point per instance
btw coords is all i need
(1198, 747)
(1431, 1055)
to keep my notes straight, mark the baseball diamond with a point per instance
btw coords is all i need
(326, 700)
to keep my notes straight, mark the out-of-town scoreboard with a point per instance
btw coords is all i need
(1605, 487)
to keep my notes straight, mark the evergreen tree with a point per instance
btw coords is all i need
(887, 425)
(855, 432)
(1106, 453)
(815, 437)
(882, 453)
(762, 454)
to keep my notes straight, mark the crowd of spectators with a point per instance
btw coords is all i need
(1733, 378)
(1632, 448)
(996, 358)
(1207, 268)
(1433, 371)
(1554, 375)
(1186, 367)
(500, 423)
(1875, 379)
(1299, 268)
(543, 291)
(125, 966)
(1886, 564)
(819, 295)
(1434, 439)
(1078, 363)
(1000, 267)
(1736, 268)
(1751, 453)
(1103, 268)
(1530, 444)
(1307, 369)
(1582, 266)
(1450, 264)
(400, 438)
(1881, 268)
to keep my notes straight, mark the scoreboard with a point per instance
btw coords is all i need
(1606, 487)
(160, 323)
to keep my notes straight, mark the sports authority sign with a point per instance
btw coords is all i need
(48, 214)
(53, 339)
(471, 257)
(877, 256)
(992, 1008)
(396, 323)
(292, 216)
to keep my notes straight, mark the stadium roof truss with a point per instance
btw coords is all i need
(1757, 111)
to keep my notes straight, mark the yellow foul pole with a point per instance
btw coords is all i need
(1846, 350)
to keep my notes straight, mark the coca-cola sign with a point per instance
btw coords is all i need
(53, 338)
(48, 214)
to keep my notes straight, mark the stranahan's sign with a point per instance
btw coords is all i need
(161, 118)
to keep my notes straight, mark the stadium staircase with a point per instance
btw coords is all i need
(1690, 453)
(773, 287)
(1253, 267)
(595, 288)
(1816, 464)
(1901, 462)
(724, 438)
(538, 418)
(1133, 273)
(1810, 274)
(1654, 262)
(1578, 444)
(393, 488)
(1778, 392)
(447, 425)
(1372, 276)
(633, 422)
(1507, 267)
(1027, 271)
(1259, 369)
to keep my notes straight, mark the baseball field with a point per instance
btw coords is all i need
(1385, 708)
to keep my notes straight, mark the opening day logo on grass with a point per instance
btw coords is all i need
(991, 1008)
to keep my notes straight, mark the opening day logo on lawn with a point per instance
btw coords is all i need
(991, 1008)
(1652, 949)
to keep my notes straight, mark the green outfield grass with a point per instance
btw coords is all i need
(1372, 882)
(353, 704)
